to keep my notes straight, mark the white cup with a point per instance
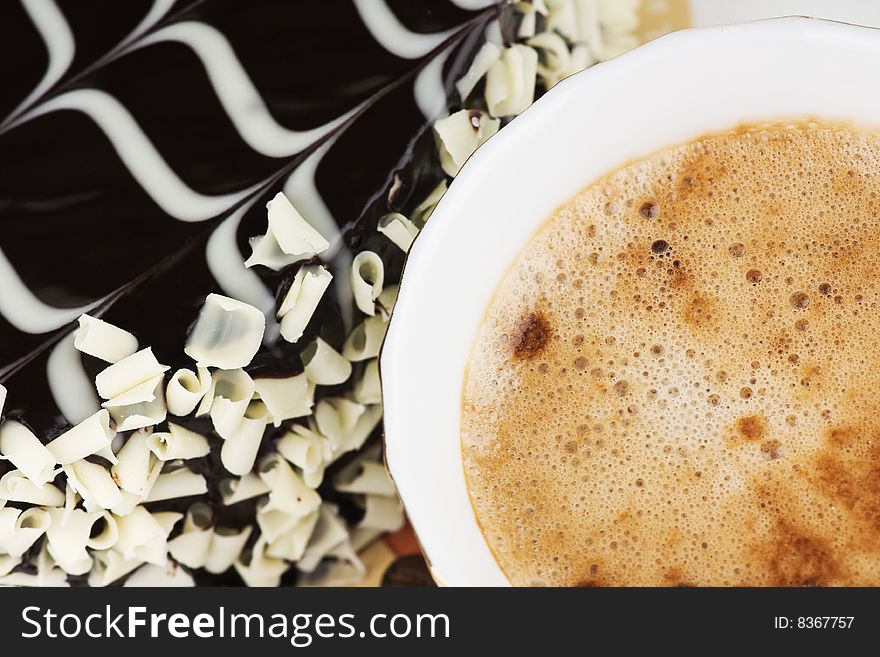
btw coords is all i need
(662, 94)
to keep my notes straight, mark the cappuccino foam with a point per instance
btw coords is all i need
(678, 381)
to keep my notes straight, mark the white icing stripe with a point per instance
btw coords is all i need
(493, 33)
(140, 156)
(237, 93)
(226, 265)
(248, 113)
(59, 41)
(472, 5)
(393, 35)
(429, 89)
(485, 57)
(71, 388)
(246, 109)
(21, 308)
(302, 191)
(157, 11)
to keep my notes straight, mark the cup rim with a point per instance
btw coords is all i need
(399, 365)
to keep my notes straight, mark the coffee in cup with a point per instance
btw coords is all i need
(676, 383)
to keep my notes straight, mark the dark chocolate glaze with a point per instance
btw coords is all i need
(77, 227)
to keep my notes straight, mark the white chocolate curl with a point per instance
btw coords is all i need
(460, 134)
(110, 565)
(71, 499)
(301, 300)
(292, 543)
(95, 485)
(258, 569)
(166, 575)
(7, 563)
(139, 407)
(364, 477)
(386, 301)
(131, 500)
(178, 443)
(286, 398)
(227, 333)
(238, 490)
(424, 209)
(606, 27)
(307, 450)
(15, 487)
(367, 279)
(529, 22)
(365, 340)
(8, 516)
(67, 539)
(382, 513)
(181, 482)
(618, 22)
(400, 230)
(97, 338)
(344, 570)
(88, 437)
(357, 540)
(239, 451)
(47, 575)
(127, 373)
(156, 551)
(510, 81)
(226, 545)
(143, 535)
(274, 523)
(227, 400)
(139, 394)
(24, 450)
(324, 365)
(289, 238)
(557, 62)
(330, 531)
(485, 57)
(336, 418)
(29, 526)
(368, 389)
(107, 537)
(192, 546)
(134, 464)
(562, 18)
(346, 423)
(186, 389)
(289, 494)
(2, 398)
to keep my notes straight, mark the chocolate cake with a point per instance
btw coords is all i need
(139, 146)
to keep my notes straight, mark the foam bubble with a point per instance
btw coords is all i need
(675, 382)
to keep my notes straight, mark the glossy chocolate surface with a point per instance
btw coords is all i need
(78, 228)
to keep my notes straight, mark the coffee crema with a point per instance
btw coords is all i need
(678, 381)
